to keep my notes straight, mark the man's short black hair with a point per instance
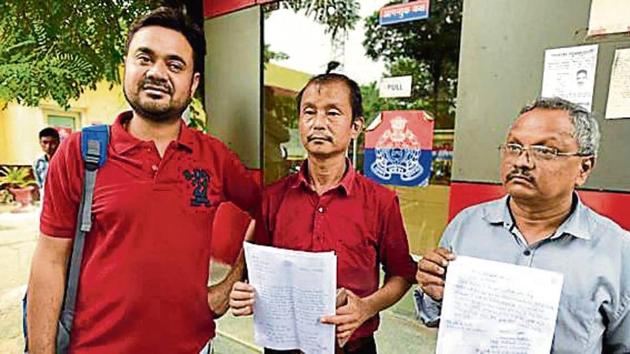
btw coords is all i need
(49, 132)
(356, 101)
(176, 20)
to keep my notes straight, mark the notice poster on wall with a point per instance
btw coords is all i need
(570, 74)
(609, 16)
(618, 105)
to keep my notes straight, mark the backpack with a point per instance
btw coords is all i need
(94, 142)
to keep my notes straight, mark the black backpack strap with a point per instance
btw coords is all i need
(94, 142)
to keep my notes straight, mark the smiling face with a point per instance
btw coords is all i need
(159, 76)
(527, 178)
(325, 119)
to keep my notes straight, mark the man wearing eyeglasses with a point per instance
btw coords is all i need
(550, 149)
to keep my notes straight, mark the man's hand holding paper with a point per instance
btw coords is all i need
(289, 292)
(431, 272)
(350, 316)
(498, 308)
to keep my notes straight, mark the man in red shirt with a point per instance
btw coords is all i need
(144, 274)
(329, 206)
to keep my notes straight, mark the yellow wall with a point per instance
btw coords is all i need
(425, 212)
(19, 125)
(278, 76)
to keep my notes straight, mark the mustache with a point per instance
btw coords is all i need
(319, 137)
(520, 173)
(161, 85)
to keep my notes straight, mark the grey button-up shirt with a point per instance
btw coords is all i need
(590, 250)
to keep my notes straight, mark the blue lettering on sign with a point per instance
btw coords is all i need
(403, 13)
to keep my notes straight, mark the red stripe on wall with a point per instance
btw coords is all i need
(614, 205)
(213, 8)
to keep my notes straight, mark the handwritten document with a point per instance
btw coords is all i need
(608, 16)
(618, 105)
(294, 290)
(498, 308)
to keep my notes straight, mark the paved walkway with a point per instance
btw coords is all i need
(18, 233)
(399, 332)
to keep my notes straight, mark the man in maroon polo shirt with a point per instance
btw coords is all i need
(143, 284)
(329, 206)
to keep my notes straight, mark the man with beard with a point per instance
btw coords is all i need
(550, 149)
(143, 283)
(328, 206)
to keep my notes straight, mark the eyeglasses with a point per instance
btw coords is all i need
(538, 152)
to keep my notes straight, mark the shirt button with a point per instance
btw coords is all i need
(527, 252)
(154, 168)
(320, 209)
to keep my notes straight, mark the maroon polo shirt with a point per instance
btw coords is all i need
(144, 275)
(359, 219)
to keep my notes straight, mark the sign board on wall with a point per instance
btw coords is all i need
(411, 11)
(398, 148)
(398, 86)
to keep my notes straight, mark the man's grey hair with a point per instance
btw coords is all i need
(585, 127)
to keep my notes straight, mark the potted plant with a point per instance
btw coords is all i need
(19, 182)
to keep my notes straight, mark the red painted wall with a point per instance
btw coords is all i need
(614, 205)
(213, 8)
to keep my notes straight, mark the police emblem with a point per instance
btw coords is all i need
(199, 179)
(397, 153)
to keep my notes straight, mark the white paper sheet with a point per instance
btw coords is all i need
(618, 105)
(493, 307)
(293, 291)
(609, 16)
(570, 74)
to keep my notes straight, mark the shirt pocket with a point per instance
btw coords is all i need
(356, 248)
(575, 324)
(290, 227)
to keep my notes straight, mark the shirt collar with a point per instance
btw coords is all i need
(497, 212)
(122, 141)
(346, 183)
(577, 224)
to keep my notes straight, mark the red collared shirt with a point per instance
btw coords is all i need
(143, 283)
(360, 220)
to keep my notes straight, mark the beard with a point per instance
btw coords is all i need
(153, 110)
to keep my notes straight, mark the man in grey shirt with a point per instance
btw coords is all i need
(550, 149)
